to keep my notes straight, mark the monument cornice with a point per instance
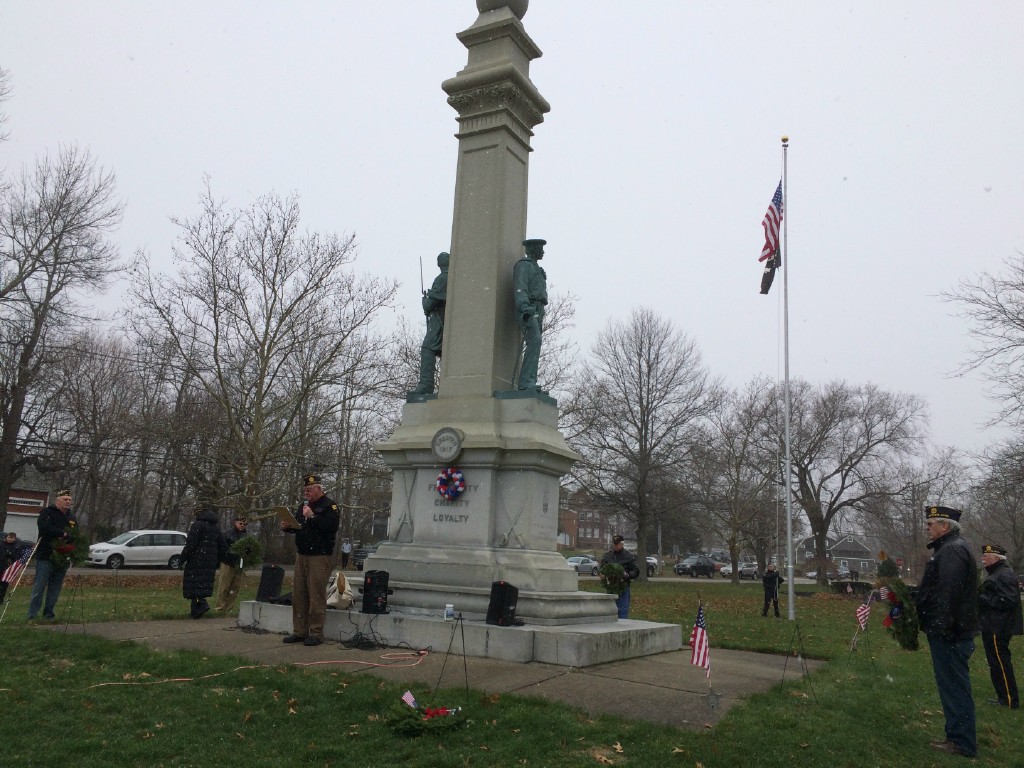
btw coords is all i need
(498, 86)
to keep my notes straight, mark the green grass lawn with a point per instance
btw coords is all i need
(75, 700)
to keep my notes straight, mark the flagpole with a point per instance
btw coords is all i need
(790, 590)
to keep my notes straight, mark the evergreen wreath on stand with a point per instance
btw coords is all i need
(901, 621)
(249, 551)
(72, 550)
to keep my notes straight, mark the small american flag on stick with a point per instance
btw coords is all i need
(863, 611)
(14, 569)
(409, 699)
(700, 656)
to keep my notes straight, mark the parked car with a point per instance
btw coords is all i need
(745, 570)
(653, 566)
(360, 553)
(843, 573)
(696, 565)
(720, 559)
(162, 548)
(584, 564)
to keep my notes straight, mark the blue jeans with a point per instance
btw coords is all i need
(49, 580)
(953, 679)
(622, 603)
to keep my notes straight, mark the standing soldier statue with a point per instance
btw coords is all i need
(433, 308)
(531, 296)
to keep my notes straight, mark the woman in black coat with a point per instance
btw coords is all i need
(205, 549)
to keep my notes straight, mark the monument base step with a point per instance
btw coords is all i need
(574, 645)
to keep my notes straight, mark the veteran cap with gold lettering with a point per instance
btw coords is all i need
(992, 549)
(943, 513)
(311, 480)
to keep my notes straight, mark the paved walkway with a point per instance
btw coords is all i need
(663, 688)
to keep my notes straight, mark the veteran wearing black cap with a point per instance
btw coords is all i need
(947, 608)
(318, 520)
(999, 614)
(53, 523)
(531, 297)
(622, 556)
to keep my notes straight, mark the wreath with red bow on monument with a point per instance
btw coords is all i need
(451, 483)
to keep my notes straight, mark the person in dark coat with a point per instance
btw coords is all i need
(947, 609)
(622, 556)
(771, 581)
(999, 614)
(205, 549)
(11, 550)
(53, 524)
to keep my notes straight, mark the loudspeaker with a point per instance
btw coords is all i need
(375, 591)
(271, 580)
(502, 608)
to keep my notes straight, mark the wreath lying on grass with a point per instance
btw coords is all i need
(416, 721)
(249, 551)
(72, 550)
(451, 483)
(613, 578)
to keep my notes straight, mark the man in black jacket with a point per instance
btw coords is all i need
(620, 555)
(999, 614)
(230, 575)
(53, 523)
(318, 521)
(947, 608)
(771, 580)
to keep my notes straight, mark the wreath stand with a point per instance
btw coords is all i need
(798, 639)
(459, 624)
(75, 593)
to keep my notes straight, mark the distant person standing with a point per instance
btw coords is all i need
(230, 576)
(771, 581)
(53, 523)
(346, 553)
(205, 549)
(619, 555)
(11, 551)
(318, 521)
(947, 609)
(999, 615)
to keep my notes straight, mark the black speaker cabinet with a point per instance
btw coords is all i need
(375, 592)
(502, 608)
(271, 579)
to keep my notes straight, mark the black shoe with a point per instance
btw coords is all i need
(996, 702)
(312, 640)
(293, 639)
(49, 617)
(765, 613)
(950, 748)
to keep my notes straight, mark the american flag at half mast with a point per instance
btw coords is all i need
(700, 656)
(772, 220)
(11, 574)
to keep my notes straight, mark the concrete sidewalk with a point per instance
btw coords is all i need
(663, 688)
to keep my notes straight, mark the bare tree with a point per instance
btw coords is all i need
(998, 500)
(732, 478)
(995, 306)
(264, 321)
(648, 393)
(846, 443)
(54, 222)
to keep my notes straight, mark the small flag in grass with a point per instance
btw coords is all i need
(700, 656)
(409, 699)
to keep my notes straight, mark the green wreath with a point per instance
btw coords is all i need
(248, 549)
(72, 550)
(416, 721)
(901, 621)
(613, 578)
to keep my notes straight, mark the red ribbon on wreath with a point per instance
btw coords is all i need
(450, 483)
(895, 611)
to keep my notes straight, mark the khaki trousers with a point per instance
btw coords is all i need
(229, 582)
(309, 595)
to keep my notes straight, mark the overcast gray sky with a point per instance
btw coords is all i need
(650, 175)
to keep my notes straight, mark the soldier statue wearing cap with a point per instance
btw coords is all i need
(531, 297)
(947, 608)
(622, 556)
(52, 524)
(999, 613)
(318, 520)
(434, 302)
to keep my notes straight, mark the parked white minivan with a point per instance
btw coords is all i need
(160, 548)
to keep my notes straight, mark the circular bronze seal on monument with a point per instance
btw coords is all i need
(446, 444)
